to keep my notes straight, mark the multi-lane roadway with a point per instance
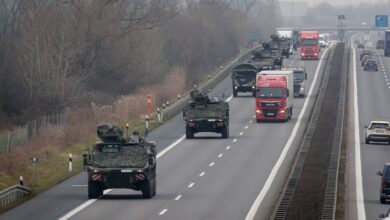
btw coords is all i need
(202, 178)
(369, 100)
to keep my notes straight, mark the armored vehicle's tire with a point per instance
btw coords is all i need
(225, 132)
(234, 93)
(95, 190)
(148, 189)
(189, 133)
(383, 200)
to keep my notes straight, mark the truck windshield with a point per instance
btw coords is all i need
(309, 42)
(266, 92)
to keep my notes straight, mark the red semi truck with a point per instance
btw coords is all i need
(274, 95)
(310, 48)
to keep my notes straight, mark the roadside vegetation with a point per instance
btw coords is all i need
(96, 61)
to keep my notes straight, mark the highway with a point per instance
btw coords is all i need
(372, 91)
(203, 178)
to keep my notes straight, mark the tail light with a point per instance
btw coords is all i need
(384, 183)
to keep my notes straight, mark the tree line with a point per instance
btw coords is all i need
(56, 54)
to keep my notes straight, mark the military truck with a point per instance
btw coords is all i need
(244, 79)
(119, 163)
(203, 114)
(262, 59)
(282, 44)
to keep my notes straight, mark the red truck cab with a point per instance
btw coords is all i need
(310, 48)
(273, 99)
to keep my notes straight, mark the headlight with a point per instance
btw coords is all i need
(235, 87)
(258, 111)
(302, 54)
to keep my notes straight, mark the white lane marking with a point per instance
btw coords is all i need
(163, 212)
(228, 99)
(241, 133)
(235, 140)
(220, 155)
(178, 197)
(385, 75)
(81, 185)
(267, 185)
(246, 127)
(202, 173)
(254, 116)
(228, 147)
(161, 153)
(89, 202)
(191, 185)
(251, 121)
(358, 165)
(211, 164)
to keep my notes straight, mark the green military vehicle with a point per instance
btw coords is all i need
(244, 79)
(203, 114)
(119, 163)
(262, 59)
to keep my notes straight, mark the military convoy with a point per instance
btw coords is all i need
(203, 114)
(117, 162)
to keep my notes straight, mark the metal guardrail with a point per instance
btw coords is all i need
(175, 108)
(12, 193)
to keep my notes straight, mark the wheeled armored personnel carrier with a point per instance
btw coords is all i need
(244, 79)
(119, 163)
(262, 59)
(203, 114)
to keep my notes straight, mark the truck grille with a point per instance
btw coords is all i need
(309, 51)
(270, 113)
(270, 104)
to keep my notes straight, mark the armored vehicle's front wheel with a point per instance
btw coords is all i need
(95, 190)
(189, 133)
(225, 132)
(234, 93)
(148, 190)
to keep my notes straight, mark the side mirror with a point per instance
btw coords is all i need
(382, 215)
(379, 173)
(366, 126)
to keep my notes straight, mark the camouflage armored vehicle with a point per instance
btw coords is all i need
(281, 44)
(272, 50)
(244, 79)
(203, 114)
(262, 59)
(119, 163)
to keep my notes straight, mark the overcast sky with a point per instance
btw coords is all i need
(334, 2)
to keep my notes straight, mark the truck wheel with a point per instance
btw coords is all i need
(95, 190)
(234, 93)
(147, 189)
(225, 132)
(367, 141)
(383, 200)
(189, 133)
(154, 186)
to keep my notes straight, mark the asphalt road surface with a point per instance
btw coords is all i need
(372, 90)
(202, 178)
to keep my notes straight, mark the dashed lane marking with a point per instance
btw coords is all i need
(191, 185)
(220, 155)
(202, 173)
(163, 212)
(178, 197)
(228, 147)
(241, 133)
(246, 127)
(235, 140)
(211, 164)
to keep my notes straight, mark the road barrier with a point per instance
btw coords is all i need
(12, 193)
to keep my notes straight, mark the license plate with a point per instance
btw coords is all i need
(211, 119)
(126, 171)
(270, 114)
